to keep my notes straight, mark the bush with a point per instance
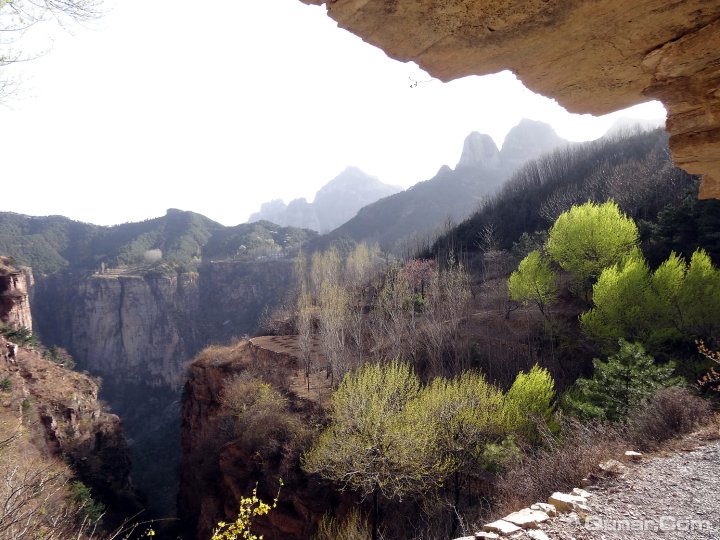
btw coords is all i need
(258, 416)
(6, 384)
(560, 465)
(618, 385)
(669, 413)
(21, 335)
(528, 403)
(88, 510)
(353, 527)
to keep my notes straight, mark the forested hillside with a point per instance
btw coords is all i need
(570, 318)
(405, 220)
(177, 241)
(636, 171)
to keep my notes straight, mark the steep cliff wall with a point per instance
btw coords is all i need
(139, 333)
(233, 296)
(58, 413)
(15, 286)
(133, 326)
(218, 468)
(145, 329)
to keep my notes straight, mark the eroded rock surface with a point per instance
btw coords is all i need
(592, 56)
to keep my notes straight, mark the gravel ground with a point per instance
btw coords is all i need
(669, 497)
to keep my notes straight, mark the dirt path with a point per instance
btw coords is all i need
(668, 497)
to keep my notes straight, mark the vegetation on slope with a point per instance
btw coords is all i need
(178, 241)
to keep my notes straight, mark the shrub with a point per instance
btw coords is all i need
(88, 510)
(528, 403)
(353, 527)
(6, 384)
(250, 507)
(560, 465)
(20, 335)
(258, 416)
(618, 385)
(669, 413)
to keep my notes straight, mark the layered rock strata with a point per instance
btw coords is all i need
(15, 286)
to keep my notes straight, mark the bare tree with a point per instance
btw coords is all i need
(17, 17)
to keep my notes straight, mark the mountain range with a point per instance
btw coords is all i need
(334, 204)
(452, 194)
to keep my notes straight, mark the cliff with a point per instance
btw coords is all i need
(15, 286)
(56, 417)
(139, 334)
(219, 466)
(591, 56)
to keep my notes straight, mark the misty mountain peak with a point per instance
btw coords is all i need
(334, 204)
(479, 150)
(528, 140)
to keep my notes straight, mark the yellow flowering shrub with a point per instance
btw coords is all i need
(250, 507)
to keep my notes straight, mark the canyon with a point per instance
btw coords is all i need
(54, 414)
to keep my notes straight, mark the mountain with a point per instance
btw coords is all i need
(452, 194)
(634, 170)
(133, 303)
(334, 204)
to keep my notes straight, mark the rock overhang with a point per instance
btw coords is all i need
(592, 56)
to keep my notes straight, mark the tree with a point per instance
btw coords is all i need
(619, 384)
(444, 310)
(534, 281)
(468, 412)
(589, 238)
(677, 302)
(376, 444)
(528, 403)
(17, 16)
(305, 331)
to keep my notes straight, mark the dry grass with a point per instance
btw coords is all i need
(566, 460)
(670, 412)
(561, 465)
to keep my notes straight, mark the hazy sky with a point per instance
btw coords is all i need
(219, 106)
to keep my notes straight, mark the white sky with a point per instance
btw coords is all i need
(218, 106)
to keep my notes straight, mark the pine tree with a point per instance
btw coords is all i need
(619, 384)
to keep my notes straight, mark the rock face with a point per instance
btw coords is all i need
(15, 285)
(139, 334)
(479, 150)
(137, 326)
(218, 469)
(334, 204)
(592, 56)
(71, 424)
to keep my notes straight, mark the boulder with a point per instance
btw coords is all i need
(565, 502)
(631, 455)
(527, 518)
(612, 467)
(581, 493)
(549, 509)
(501, 527)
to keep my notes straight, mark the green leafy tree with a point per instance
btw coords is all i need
(677, 302)
(619, 384)
(529, 403)
(589, 238)
(376, 444)
(534, 281)
(468, 415)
